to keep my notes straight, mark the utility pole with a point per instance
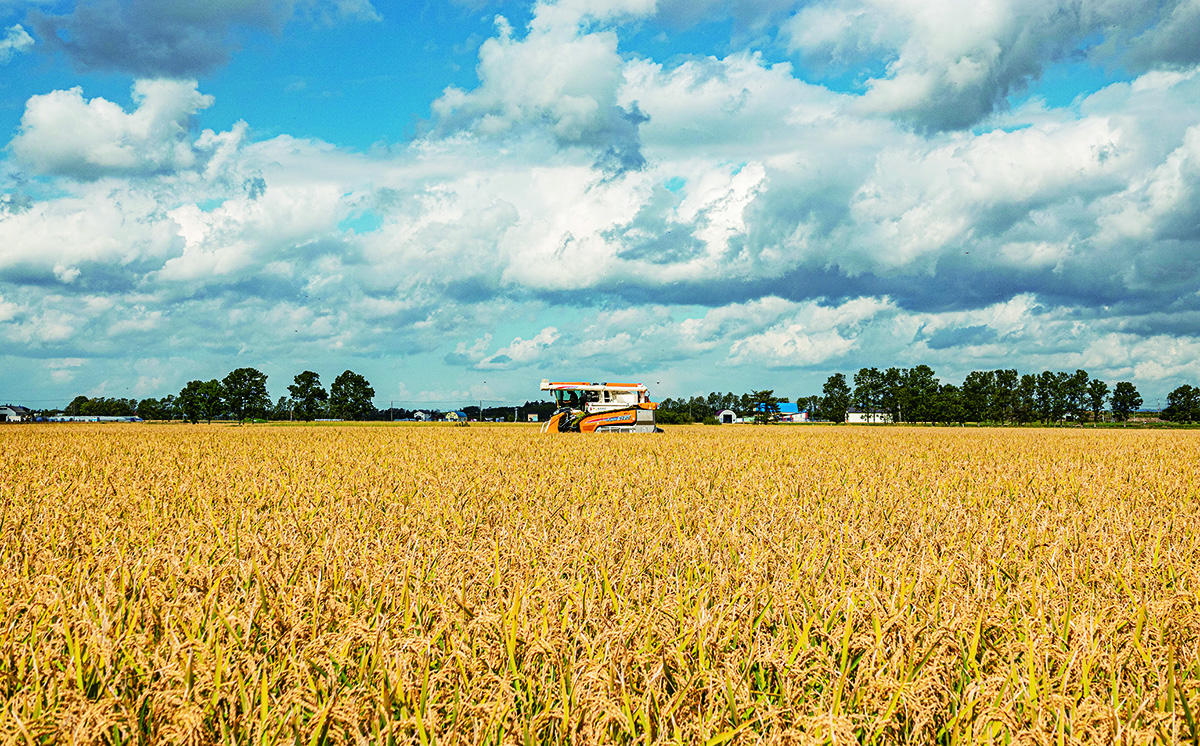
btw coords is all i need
(392, 410)
(481, 410)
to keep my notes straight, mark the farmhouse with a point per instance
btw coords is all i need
(94, 418)
(15, 413)
(790, 412)
(855, 416)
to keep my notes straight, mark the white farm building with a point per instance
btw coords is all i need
(14, 413)
(856, 416)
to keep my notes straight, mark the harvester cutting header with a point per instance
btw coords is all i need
(600, 408)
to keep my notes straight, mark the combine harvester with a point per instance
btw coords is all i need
(600, 408)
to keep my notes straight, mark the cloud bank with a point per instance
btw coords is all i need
(176, 38)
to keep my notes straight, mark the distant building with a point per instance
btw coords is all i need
(856, 416)
(15, 413)
(532, 417)
(727, 417)
(94, 418)
(788, 412)
(420, 416)
(456, 416)
(791, 412)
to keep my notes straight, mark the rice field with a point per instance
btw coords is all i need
(204, 584)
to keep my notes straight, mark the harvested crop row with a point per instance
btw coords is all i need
(489, 584)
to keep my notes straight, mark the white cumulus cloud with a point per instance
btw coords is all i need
(15, 41)
(561, 78)
(516, 354)
(62, 133)
(944, 65)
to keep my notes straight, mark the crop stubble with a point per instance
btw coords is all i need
(490, 584)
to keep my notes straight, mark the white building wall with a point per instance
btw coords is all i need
(862, 418)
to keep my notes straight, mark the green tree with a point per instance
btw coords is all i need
(949, 405)
(350, 396)
(103, 406)
(1097, 395)
(766, 406)
(1125, 401)
(1075, 394)
(810, 404)
(1025, 405)
(150, 409)
(245, 392)
(1183, 405)
(1049, 396)
(1004, 396)
(868, 391)
(308, 396)
(672, 417)
(714, 402)
(169, 406)
(201, 400)
(919, 391)
(282, 409)
(978, 395)
(891, 389)
(836, 399)
(73, 409)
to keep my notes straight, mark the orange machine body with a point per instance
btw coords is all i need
(600, 407)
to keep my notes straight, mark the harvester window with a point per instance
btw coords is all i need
(575, 399)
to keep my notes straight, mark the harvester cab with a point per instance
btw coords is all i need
(600, 408)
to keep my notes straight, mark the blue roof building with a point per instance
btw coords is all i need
(784, 408)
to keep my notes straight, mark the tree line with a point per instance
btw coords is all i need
(1001, 396)
(241, 395)
(1183, 404)
(705, 408)
(916, 394)
(899, 394)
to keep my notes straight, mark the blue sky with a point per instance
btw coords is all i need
(458, 199)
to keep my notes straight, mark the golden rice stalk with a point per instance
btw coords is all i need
(885, 585)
